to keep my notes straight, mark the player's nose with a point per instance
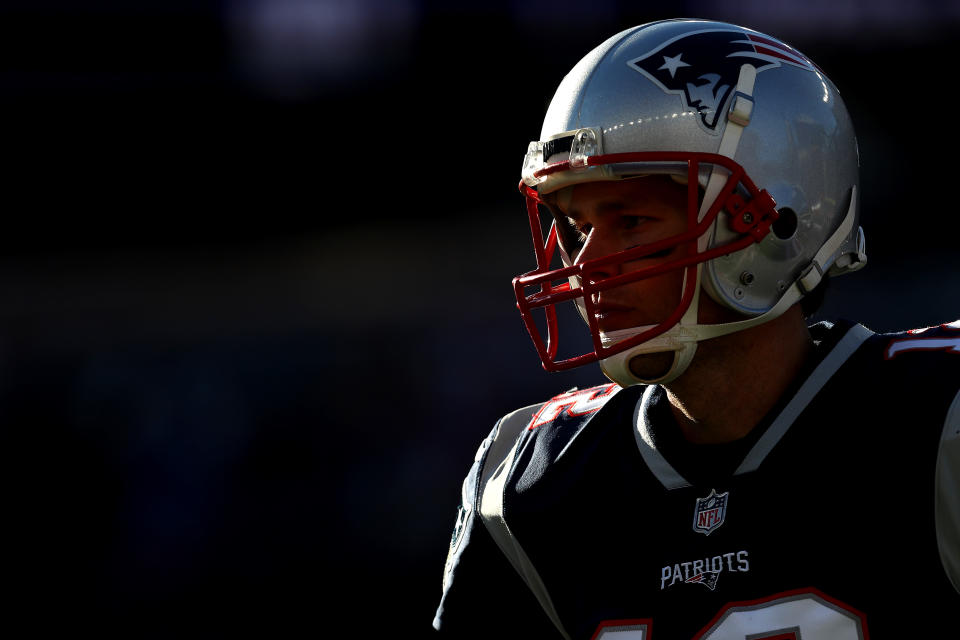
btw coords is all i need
(599, 245)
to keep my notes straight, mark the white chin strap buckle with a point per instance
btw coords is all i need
(681, 344)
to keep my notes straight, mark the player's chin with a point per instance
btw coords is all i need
(650, 366)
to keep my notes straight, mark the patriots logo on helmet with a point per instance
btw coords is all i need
(703, 67)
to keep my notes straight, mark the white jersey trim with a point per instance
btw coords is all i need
(663, 470)
(850, 342)
(670, 478)
(947, 494)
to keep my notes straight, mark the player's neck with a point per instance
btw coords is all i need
(735, 380)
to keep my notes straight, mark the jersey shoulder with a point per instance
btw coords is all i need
(542, 430)
(919, 373)
(911, 359)
(481, 539)
(913, 374)
(567, 411)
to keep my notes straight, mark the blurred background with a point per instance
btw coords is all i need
(255, 301)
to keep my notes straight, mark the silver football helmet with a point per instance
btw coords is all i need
(766, 148)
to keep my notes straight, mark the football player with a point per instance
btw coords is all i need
(743, 475)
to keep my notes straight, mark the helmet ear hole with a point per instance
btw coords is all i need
(786, 225)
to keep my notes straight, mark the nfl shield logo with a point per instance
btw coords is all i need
(710, 512)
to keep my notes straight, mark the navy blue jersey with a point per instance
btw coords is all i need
(838, 517)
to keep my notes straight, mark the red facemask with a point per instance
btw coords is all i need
(749, 213)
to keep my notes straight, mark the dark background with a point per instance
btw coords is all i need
(255, 302)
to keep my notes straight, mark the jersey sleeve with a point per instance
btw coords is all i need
(948, 494)
(483, 595)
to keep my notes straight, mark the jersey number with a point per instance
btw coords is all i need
(573, 403)
(806, 615)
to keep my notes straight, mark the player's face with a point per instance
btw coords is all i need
(597, 219)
